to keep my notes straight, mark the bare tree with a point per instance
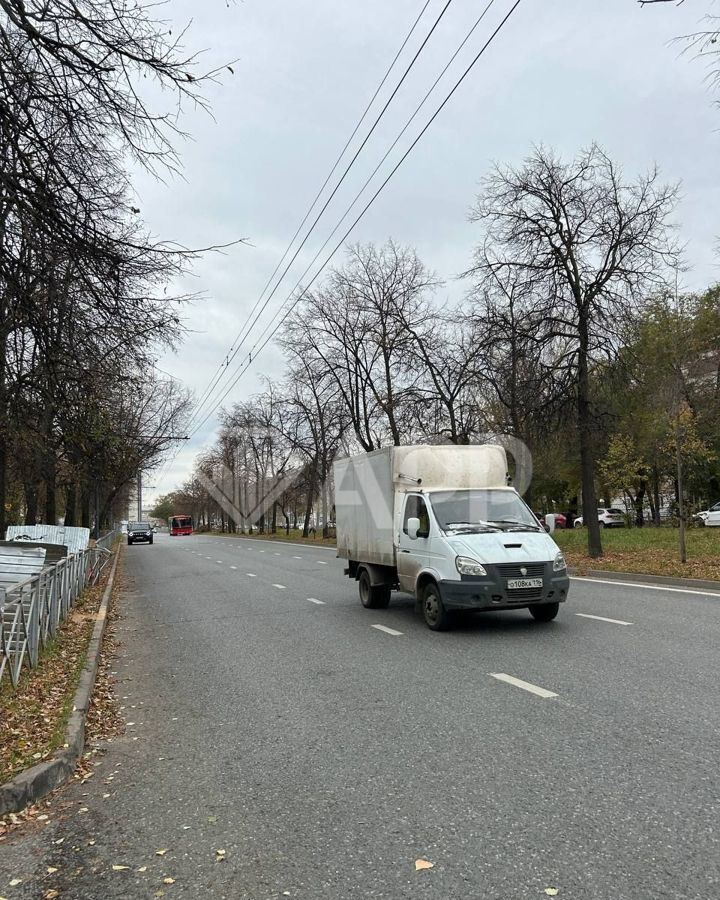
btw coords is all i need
(356, 327)
(592, 246)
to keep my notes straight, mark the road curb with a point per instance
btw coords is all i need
(659, 580)
(34, 783)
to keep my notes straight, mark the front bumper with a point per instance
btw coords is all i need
(138, 538)
(491, 592)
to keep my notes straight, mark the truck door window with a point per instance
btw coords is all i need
(415, 508)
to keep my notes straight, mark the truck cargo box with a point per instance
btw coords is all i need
(367, 488)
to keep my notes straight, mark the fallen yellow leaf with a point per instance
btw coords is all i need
(51, 894)
(142, 869)
(51, 869)
(15, 881)
(168, 881)
(423, 864)
(551, 892)
(160, 852)
(120, 868)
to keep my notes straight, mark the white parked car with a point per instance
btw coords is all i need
(608, 518)
(710, 516)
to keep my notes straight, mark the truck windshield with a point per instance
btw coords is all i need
(482, 509)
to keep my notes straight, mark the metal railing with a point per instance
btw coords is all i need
(31, 612)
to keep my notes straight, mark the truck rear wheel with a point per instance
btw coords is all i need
(437, 618)
(372, 596)
(545, 612)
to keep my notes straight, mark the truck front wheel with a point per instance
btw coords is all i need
(436, 616)
(545, 612)
(372, 596)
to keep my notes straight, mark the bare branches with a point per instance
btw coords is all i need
(573, 251)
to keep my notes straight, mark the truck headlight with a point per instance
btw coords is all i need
(467, 566)
(559, 563)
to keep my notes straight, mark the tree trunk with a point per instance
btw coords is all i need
(639, 502)
(85, 506)
(309, 503)
(51, 489)
(273, 526)
(3, 431)
(31, 503)
(3, 478)
(656, 493)
(587, 460)
(70, 504)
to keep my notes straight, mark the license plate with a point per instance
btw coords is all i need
(515, 583)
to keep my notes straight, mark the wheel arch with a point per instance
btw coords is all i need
(426, 577)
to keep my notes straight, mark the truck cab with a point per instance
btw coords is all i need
(477, 549)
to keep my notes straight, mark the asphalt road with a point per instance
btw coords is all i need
(269, 718)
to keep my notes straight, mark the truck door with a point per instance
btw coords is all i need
(412, 556)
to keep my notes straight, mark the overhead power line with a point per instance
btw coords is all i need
(224, 364)
(257, 350)
(349, 166)
(372, 175)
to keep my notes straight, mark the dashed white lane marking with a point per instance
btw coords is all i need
(525, 685)
(276, 554)
(387, 630)
(297, 557)
(218, 561)
(315, 600)
(250, 574)
(208, 557)
(647, 587)
(603, 619)
(262, 551)
(321, 562)
(280, 587)
(233, 567)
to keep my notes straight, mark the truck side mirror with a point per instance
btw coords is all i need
(413, 526)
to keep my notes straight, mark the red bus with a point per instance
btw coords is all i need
(180, 525)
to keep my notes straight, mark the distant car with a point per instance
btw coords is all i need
(710, 516)
(607, 518)
(560, 520)
(139, 532)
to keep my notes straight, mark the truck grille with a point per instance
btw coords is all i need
(512, 570)
(524, 594)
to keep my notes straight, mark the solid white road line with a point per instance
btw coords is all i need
(525, 685)
(387, 630)
(280, 587)
(603, 619)
(647, 587)
(314, 600)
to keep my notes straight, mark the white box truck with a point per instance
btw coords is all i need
(442, 523)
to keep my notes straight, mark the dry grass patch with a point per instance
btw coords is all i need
(647, 551)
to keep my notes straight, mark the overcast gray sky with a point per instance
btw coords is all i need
(562, 72)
